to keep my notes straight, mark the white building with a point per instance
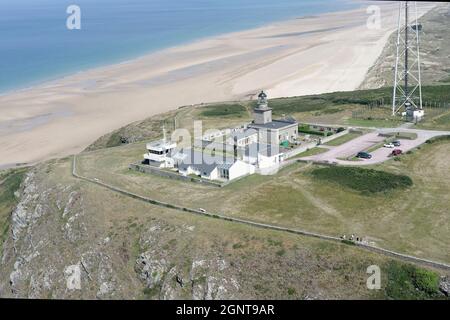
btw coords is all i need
(243, 138)
(271, 131)
(263, 155)
(229, 154)
(159, 154)
(218, 167)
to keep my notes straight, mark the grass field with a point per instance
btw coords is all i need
(343, 139)
(413, 220)
(331, 108)
(311, 152)
(366, 181)
(224, 110)
(282, 265)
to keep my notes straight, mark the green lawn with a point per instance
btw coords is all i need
(376, 123)
(417, 225)
(224, 110)
(367, 181)
(343, 139)
(311, 152)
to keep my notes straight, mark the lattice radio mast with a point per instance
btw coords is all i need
(407, 94)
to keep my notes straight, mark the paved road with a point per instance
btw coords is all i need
(351, 148)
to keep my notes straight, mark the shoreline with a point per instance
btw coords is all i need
(125, 60)
(286, 58)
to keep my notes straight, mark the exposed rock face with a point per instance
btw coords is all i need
(48, 254)
(204, 278)
(56, 250)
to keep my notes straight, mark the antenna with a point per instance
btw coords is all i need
(407, 79)
(164, 133)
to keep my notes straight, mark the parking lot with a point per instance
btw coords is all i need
(349, 149)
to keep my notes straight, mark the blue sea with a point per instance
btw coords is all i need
(35, 44)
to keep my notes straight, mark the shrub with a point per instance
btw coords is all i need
(363, 180)
(349, 242)
(406, 281)
(225, 110)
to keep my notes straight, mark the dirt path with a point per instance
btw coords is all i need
(397, 255)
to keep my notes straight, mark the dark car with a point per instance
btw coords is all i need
(396, 152)
(396, 143)
(364, 155)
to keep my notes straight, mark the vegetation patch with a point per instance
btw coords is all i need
(438, 139)
(401, 135)
(224, 110)
(408, 282)
(115, 140)
(311, 152)
(366, 181)
(9, 184)
(343, 139)
(348, 242)
(307, 129)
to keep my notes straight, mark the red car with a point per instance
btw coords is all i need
(396, 152)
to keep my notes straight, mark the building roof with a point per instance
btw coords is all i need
(203, 162)
(204, 168)
(226, 166)
(275, 124)
(261, 148)
(161, 145)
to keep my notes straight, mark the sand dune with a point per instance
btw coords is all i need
(325, 53)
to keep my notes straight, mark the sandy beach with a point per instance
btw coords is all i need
(325, 53)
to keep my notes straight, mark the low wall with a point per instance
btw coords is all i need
(173, 175)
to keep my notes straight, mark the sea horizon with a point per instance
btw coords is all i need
(55, 53)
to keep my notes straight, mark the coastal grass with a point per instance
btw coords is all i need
(184, 239)
(224, 110)
(336, 100)
(343, 139)
(311, 152)
(333, 108)
(408, 282)
(401, 135)
(367, 181)
(296, 198)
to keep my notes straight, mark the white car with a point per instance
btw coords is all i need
(389, 145)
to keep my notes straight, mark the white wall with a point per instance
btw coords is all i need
(240, 169)
(266, 162)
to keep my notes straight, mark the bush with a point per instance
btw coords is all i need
(438, 139)
(225, 110)
(364, 180)
(349, 242)
(406, 281)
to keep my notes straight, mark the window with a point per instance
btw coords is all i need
(155, 152)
